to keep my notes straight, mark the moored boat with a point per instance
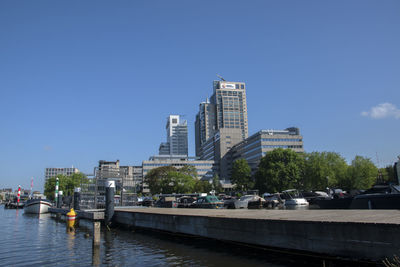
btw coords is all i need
(14, 205)
(243, 202)
(378, 197)
(37, 206)
(293, 197)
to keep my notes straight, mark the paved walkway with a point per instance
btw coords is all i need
(345, 216)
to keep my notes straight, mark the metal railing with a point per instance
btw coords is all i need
(93, 194)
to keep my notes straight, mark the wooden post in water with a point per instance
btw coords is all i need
(96, 255)
(96, 244)
(96, 233)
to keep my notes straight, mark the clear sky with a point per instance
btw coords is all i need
(82, 81)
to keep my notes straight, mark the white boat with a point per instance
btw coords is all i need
(243, 202)
(294, 198)
(37, 206)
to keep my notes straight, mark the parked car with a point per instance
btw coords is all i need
(208, 202)
(185, 202)
(166, 202)
(229, 202)
(145, 201)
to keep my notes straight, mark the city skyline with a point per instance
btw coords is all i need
(83, 82)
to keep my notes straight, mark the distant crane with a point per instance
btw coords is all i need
(219, 76)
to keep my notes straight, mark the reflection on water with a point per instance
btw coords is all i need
(43, 241)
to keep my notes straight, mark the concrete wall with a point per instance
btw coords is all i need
(350, 240)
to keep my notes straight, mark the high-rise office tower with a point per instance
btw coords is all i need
(177, 140)
(205, 124)
(229, 99)
(221, 123)
(227, 109)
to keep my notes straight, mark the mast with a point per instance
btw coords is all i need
(31, 193)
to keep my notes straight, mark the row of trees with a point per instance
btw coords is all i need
(278, 170)
(168, 180)
(283, 169)
(66, 184)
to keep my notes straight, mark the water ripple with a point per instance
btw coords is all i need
(43, 241)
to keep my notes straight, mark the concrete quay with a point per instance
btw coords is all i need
(93, 215)
(371, 235)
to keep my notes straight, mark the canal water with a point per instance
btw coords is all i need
(33, 240)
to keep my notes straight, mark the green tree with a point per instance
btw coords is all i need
(157, 178)
(179, 183)
(202, 186)
(241, 175)
(361, 174)
(388, 174)
(279, 170)
(168, 180)
(67, 184)
(189, 170)
(216, 186)
(323, 169)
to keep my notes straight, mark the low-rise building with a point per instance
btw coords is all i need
(204, 168)
(256, 146)
(52, 172)
(133, 178)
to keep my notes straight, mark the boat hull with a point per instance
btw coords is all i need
(376, 201)
(338, 203)
(296, 202)
(37, 207)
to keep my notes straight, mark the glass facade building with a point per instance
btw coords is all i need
(221, 123)
(177, 139)
(256, 146)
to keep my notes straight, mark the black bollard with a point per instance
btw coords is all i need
(77, 198)
(109, 213)
(59, 201)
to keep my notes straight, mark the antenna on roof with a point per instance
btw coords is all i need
(219, 76)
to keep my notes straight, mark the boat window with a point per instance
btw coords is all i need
(397, 187)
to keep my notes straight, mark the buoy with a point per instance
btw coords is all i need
(71, 217)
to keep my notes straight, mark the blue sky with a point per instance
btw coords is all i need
(82, 81)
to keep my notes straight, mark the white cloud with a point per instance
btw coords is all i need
(381, 111)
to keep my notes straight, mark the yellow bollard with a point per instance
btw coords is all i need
(71, 217)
